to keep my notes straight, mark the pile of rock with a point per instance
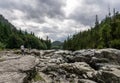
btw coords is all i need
(61, 66)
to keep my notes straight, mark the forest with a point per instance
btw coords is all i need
(12, 38)
(105, 34)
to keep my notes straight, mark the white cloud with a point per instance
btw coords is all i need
(71, 6)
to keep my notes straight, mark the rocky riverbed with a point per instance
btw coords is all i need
(60, 66)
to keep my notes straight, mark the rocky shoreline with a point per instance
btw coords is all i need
(60, 66)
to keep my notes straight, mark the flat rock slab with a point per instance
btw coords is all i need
(12, 77)
(13, 70)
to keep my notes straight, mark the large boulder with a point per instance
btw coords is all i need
(113, 55)
(79, 68)
(108, 74)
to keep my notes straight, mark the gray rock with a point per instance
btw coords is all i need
(113, 55)
(86, 81)
(79, 68)
(60, 66)
(89, 52)
(109, 74)
(14, 70)
(12, 77)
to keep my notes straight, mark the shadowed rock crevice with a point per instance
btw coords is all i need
(30, 75)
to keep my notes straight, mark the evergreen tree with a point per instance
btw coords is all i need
(96, 22)
(12, 38)
(107, 35)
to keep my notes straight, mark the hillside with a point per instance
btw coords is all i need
(12, 38)
(103, 35)
(56, 45)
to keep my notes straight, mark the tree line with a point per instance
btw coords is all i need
(105, 34)
(11, 38)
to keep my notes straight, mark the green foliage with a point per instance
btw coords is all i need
(14, 41)
(38, 78)
(12, 38)
(34, 42)
(104, 35)
(48, 44)
(115, 43)
(56, 45)
(2, 46)
(1, 59)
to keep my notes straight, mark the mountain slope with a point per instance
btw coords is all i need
(103, 35)
(11, 38)
(57, 45)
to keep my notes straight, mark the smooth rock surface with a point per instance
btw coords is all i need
(13, 69)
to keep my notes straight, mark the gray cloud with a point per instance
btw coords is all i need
(50, 29)
(49, 8)
(85, 14)
(48, 17)
(35, 10)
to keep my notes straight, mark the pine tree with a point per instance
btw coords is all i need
(107, 35)
(96, 22)
(12, 38)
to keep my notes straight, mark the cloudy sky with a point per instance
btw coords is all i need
(55, 18)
